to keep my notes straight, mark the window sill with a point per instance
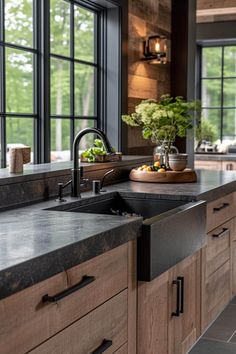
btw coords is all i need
(43, 171)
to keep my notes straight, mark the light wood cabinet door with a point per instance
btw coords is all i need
(27, 321)
(207, 165)
(219, 211)
(153, 316)
(234, 268)
(102, 330)
(229, 165)
(184, 325)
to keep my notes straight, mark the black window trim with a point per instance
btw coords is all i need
(41, 53)
(209, 44)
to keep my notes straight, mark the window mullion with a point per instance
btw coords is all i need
(72, 78)
(222, 95)
(2, 89)
(45, 79)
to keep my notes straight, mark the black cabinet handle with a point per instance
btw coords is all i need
(177, 311)
(84, 282)
(181, 279)
(103, 347)
(224, 205)
(222, 233)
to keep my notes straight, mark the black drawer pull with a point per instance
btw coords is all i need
(181, 279)
(224, 205)
(103, 347)
(222, 233)
(177, 311)
(84, 282)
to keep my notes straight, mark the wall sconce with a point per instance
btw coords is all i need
(155, 50)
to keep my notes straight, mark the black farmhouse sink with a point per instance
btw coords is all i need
(172, 229)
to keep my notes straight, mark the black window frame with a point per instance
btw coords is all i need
(42, 115)
(221, 78)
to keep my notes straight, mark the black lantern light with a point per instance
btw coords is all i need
(155, 49)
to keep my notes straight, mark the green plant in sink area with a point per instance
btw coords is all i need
(96, 150)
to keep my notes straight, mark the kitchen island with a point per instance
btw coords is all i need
(40, 247)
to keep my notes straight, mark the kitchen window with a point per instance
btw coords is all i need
(218, 89)
(52, 75)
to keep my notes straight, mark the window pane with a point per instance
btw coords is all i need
(84, 34)
(230, 92)
(19, 81)
(84, 90)
(87, 140)
(214, 117)
(19, 131)
(229, 123)
(60, 27)
(211, 61)
(211, 93)
(230, 61)
(60, 87)
(19, 22)
(60, 140)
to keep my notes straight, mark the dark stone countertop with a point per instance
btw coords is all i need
(215, 157)
(36, 244)
(210, 185)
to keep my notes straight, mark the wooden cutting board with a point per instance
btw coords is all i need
(185, 176)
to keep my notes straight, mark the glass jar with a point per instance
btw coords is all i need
(161, 153)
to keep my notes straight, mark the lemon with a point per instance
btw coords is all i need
(157, 164)
(161, 170)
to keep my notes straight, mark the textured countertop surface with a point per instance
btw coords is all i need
(36, 244)
(210, 185)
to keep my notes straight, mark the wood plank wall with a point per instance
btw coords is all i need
(146, 17)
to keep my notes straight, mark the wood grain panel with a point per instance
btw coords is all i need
(218, 248)
(108, 321)
(26, 322)
(216, 294)
(226, 212)
(141, 87)
(153, 316)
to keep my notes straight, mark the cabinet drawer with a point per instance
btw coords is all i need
(26, 321)
(218, 247)
(217, 293)
(107, 322)
(219, 211)
(122, 350)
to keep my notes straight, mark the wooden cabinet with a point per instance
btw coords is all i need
(229, 165)
(103, 328)
(218, 258)
(215, 165)
(169, 310)
(38, 313)
(207, 165)
(185, 328)
(153, 315)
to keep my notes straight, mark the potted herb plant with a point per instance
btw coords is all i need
(162, 121)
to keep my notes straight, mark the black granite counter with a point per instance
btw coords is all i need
(210, 185)
(36, 244)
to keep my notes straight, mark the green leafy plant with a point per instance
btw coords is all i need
(97, 150)
(164, 120)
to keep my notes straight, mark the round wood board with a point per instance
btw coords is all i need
(185, 176)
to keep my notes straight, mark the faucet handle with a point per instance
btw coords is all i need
(84, 182)
(103, 179)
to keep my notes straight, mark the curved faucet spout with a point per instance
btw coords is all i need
(76, 175)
